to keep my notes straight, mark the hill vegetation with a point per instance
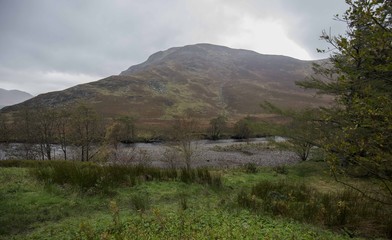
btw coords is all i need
(204, 78)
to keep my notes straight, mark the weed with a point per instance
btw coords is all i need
(345, 209)
(183, 202)
(281, 170)
(140, 202)
(187, 175)
(250, 168)
(211, 224)
(86, 231)
(246, 201)
(216, 181)
(201, 176)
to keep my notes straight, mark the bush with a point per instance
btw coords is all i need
(183, 202)
(346, 209)
(140, 202)
(281, 169)
(242, 129)
(247, 201)
(250, 168)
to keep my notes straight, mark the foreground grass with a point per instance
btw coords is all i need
(152, 209)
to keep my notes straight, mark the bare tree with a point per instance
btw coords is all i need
(45, 127)
(24, 132)
(62, 130)
(4, 129)
(184, 132)
(85, 130)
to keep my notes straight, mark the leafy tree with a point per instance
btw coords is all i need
(357, 131)
(300, 128)
(217, 126)
(128, 128)
(242, 128)
(122, 129)
(114, 135)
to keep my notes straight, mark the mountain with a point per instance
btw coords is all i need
(11, 97)
(203, 78)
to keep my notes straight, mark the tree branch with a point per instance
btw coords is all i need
(359, 190)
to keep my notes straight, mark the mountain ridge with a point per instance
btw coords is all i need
(11, 97)
(203, 78)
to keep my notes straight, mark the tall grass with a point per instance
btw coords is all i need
(346, 209)
(201, 176)
(93, 177)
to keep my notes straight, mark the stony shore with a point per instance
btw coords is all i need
(222, 154)
(206, 153)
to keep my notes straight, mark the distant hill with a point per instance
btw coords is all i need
(203, 78)
(11, 97)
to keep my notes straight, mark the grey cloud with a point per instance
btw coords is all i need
(101, 38)
(305, 19)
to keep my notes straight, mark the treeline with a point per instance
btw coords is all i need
(81, 133)
(38, 130)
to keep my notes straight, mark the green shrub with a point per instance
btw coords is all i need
(247, 201)
(346, 209)
(183, 202)
(140, 202)
(281, 169)
(250, 168)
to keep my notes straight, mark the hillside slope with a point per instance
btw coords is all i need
(203, 78)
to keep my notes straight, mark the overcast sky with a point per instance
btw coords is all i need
(49, 45)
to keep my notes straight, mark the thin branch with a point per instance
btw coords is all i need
(386, 186)
(360, 191)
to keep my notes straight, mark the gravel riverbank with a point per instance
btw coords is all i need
(215, 154)
(223, 153)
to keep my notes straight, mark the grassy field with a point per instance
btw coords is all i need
(149, 203)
